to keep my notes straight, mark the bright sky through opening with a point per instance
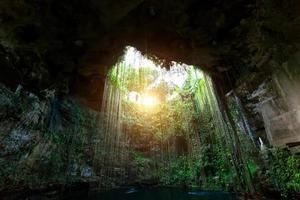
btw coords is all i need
(174, 77)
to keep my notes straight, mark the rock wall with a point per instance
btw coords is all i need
(281, 113)
(273, 103)
(266, 77)
(44, 139)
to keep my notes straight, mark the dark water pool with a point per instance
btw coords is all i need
(160, 194)
(120, 194)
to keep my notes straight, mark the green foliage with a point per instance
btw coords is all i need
(179, 171)
(283, 170)
(48, 156)
(189, 116)
(142, 163)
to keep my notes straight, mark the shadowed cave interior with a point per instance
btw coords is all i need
(145, 99)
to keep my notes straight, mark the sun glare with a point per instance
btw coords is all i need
(173, 78)
(148, 100)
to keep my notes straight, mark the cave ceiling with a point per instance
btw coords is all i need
(52, 42)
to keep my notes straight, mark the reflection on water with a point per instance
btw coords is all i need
(160, 194)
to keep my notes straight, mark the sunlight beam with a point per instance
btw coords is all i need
(149, 101)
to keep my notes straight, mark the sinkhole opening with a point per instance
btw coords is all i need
(144, 83)
(165, 126)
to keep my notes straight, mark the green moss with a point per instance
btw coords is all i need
(283, 171)
(48, 156)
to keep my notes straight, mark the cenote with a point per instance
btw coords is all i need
(145, 99)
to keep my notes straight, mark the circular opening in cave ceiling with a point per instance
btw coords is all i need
(145, 83)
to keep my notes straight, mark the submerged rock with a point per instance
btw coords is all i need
(86, 171)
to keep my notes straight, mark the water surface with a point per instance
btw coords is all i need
(160, 194)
